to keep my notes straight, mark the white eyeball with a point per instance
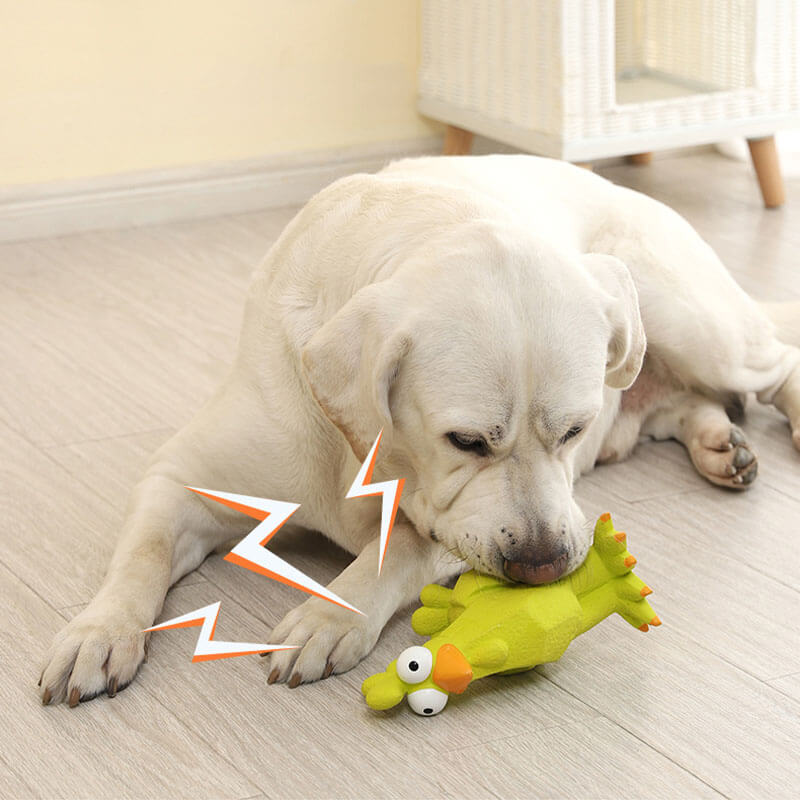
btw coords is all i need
(414, 664)
(427, 702)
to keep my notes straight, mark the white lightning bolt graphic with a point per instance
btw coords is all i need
(250, 552)
(207, 649)
(390, 490)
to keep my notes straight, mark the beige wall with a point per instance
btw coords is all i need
(96, 87)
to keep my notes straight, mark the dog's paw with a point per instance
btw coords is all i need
(723, 456)
(330, 640)
(98, 651)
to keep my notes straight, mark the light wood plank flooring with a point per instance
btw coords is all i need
(111, 340)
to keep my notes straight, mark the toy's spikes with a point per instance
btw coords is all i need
(207, 649)
(644, 628)
(646, 590)
(655, 621)
(251, 554)
(630, 561)
(620, 536)
(630, 587)
(389, 490)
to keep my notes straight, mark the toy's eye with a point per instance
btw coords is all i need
(427, 702)
(414, 664)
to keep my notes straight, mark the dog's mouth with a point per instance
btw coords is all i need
(536, 574)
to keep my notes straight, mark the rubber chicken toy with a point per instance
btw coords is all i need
(484, 626)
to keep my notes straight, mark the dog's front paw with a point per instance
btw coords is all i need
(330, 640)
(100, 650)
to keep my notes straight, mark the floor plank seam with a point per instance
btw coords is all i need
(98, 439)
(782, 492)
(738, 667)
(784, 693)
(594, 480)
(638, 738)
(10, 571)
(517, 735)
(100, 377)
(62, 609)
(193, 732)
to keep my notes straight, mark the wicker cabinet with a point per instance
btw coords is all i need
(589, 79)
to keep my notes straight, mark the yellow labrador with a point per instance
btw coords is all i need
(508, 321)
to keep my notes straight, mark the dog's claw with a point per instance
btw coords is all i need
(111, 689)
(46, 697)
(274, 675)
(328, 670)
(295, 680)
(74, 697)
(750, 475)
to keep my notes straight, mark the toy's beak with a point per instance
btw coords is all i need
(452, 671)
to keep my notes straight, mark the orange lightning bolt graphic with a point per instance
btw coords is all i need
(250, 552)
(207, 649)
(390, 491)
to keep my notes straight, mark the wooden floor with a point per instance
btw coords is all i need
(111, 340)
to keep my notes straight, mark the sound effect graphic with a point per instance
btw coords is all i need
(251, 553)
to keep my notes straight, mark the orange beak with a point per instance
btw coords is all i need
(452, 671)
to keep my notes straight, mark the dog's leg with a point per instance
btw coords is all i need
(717, 447)
(787, 400)
(332, 639)
(167, 533)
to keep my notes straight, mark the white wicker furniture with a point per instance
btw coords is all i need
(587, 79)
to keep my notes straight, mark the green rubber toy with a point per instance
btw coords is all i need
(484, 625)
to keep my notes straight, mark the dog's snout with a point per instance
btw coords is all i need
(537, 566)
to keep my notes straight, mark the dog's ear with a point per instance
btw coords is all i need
(627, 345)
(352, 361)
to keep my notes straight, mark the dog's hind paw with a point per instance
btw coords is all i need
(329, 640)
(724, 457)
(98, 651)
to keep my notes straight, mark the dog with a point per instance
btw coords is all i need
(508, 322)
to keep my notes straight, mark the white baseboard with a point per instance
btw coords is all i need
(207, 190)
(158, 196)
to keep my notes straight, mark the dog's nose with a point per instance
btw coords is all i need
(537, 572)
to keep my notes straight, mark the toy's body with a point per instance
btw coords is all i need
(485, 626)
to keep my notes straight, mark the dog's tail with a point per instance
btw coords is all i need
(786, 317)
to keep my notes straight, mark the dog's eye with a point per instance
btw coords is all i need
(414, 664)
(571, 433)
(468, 442)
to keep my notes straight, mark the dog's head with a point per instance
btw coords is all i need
(484, 360)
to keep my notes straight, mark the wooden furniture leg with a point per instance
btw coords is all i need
(640, 159)
(457, 141)
(768, 170)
